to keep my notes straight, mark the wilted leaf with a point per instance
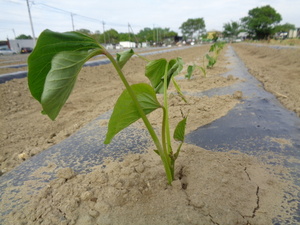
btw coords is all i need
(50, 44)
(61, 79)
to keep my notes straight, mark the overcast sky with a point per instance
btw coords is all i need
(89, 14)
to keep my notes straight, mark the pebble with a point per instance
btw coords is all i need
(140, 168)
(238, 95)
(66, 173)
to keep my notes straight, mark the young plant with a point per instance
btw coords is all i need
(191, 69)
(211, 61)
(53, 68)
(216, 49)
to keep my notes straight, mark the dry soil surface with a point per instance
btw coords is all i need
(26, 132)
(277, 69)
(210, 188)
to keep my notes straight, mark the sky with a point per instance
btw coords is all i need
(57, 15)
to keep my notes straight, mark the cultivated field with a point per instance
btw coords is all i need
(210, 187)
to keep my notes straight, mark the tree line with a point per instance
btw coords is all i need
(260, 23)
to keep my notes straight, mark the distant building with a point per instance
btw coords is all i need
(127, 44)
(243, 35)
(17, 44)
(294, 33)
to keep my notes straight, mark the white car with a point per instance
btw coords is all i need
(6, 51)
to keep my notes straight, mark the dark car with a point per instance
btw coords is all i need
(26, 50)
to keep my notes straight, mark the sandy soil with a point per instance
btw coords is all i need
(210, 188)
(25, 132)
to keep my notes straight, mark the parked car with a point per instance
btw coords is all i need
(26, 50)
(6, 51)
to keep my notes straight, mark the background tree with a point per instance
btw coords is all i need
(261, 21)
(157, 34)
(125, 37)
(231, 29)
(192, 26)
(285, 27)
(23, 36)
(84, 31)
(111, 36)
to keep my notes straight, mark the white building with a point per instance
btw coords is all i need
(17, 44)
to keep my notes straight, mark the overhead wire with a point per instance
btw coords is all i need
(41, 5)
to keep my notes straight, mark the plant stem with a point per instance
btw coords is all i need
(166, 122)
(142, 57)
(149, 127)
(167, 110)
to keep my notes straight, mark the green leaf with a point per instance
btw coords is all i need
(180, 130)
(213, 47)
(50, 44)
(125, 111)
(179, 135)
(61, 79)
(211, 61)
(155, 71)
(175, 67)
(190, 71)
(123, 57)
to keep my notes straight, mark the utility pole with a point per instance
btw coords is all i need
(104, 31)
(72, 21)
(131, 30)
(14, 32)
(153, 33)
(128, 32)
(32, 30)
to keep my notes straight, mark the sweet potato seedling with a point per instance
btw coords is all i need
(211, 60)
(216, 49)
(191, 69)
(53, 68)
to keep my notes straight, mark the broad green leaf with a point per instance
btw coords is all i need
(50, 44)
(175, 67)
(180, 130)
(61, 79)
(155, 71)
(125, 111)
(123, 57)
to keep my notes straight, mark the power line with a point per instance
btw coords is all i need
(78, 15)
(71, 14)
